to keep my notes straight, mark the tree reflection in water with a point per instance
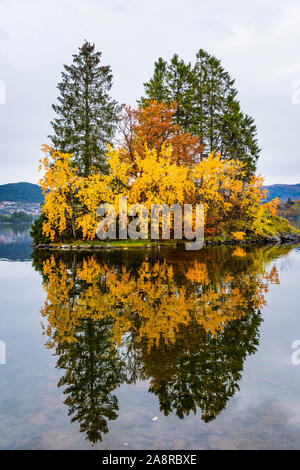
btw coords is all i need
(184, 321)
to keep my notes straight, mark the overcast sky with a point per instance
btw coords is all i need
(258, 42)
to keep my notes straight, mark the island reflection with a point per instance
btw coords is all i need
(183, 321)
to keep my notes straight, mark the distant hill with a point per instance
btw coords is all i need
(28, 192)
(283, 191)
(21, 192)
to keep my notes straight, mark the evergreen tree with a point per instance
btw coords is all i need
(199, 371)
(157, 87)
(86, 114)
(207, 106)
(93, 370)
(172, 82)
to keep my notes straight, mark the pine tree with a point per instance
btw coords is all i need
(93, 370)
(222, 126)
(172, 82)
(157, 88)
(207, 106)
(86, 114)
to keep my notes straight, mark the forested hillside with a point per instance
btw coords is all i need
(25, 192)
(283, 191)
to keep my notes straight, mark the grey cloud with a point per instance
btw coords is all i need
(257, 42)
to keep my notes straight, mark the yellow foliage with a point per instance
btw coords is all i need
(238, 235)
(150, 303)
(58, 185)
(239, 252)
(151, 177)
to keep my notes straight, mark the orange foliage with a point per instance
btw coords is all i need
(153, 126)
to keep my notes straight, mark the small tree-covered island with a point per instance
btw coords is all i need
(187, 142)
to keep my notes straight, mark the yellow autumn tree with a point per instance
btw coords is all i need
(231, 203)
(150, 303)
(58, 185)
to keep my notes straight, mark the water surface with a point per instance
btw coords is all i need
(164, 349)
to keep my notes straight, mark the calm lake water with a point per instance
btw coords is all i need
(149, 349)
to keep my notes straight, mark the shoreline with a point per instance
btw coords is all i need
(291, 238)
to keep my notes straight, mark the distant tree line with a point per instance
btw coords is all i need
(289, 209)
(16, 217)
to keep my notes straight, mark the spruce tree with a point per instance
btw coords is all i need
(207, 106)
(172, 82)
(86, 114)
(93, 370)
(157, 87)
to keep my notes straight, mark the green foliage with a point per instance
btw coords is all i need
(36, 231)
(93, 370)
(273, 226)
(207, 106)
(16, 217)
(86, 114)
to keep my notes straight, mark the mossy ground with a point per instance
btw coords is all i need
(276, 225)
(116, 243)
(271, 227)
